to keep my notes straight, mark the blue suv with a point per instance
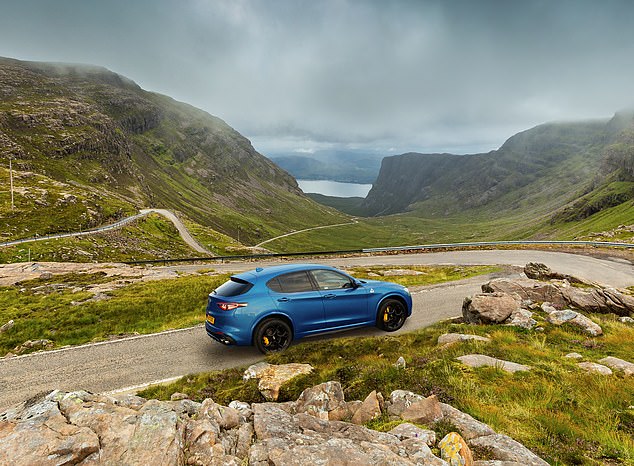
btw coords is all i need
(270, 307)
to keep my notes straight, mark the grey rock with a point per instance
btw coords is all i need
(595, 368)
(8, 326)
(489, 308)
(400, 400)
(426, 411)
(547, 308)
(569, 316)
(626, 320)
(527, 289)
(369, 409)
(244, 409)
(573, 356)
(479, 360)
(400, 363)
(418, 451)
(468, 426)
(321, 399)
(450, 338)
(407, 430)
(177, 396)
(225, 417)
(504, 448)
(521, 318)
(618, 365)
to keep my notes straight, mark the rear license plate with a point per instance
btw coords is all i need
(211, 319)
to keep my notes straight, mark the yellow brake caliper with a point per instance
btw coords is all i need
(266, 341)
(386, 314)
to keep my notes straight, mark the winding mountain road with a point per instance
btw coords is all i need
(143, 359)
(168, 214)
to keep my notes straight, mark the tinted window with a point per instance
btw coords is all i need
(294, 282)
(329, 280)
(275, 285)
(233, 287)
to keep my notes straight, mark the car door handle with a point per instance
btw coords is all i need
(330, 296)
(283, 300)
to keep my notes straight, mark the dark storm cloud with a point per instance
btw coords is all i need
(304, 75)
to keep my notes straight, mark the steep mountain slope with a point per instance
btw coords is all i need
(539, 168)
(119, 148)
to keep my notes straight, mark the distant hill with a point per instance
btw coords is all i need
(111, 147)
(541, 170)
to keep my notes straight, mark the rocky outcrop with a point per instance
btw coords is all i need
(562, 295)
(85, 429)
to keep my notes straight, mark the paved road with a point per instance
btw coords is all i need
(187, 237)
(614, 271)
(138, 360)
(182, 229)
(302, 231)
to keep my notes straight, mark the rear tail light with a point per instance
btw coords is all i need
(231, 306)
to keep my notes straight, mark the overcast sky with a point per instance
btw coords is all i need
(391, 76)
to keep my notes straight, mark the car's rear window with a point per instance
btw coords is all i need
(294, 282)
(234, 287)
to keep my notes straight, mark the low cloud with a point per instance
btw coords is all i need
(405, 75)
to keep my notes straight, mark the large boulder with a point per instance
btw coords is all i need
(527, 290)
(489, 308)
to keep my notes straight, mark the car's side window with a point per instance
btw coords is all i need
(329, 280)
(294, 282)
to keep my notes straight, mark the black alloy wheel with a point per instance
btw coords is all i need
(392, 315)
(272, 336)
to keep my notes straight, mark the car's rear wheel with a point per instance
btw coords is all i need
(272, 335)
(391, 315)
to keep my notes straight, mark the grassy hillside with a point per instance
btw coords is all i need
(86, 132)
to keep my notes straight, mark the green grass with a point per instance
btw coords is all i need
(43, 309)
(557, 410)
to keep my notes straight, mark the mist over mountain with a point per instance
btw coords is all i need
(125, 148)
(541, 169)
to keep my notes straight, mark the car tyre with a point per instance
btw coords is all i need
(391, 316)
(272, 335)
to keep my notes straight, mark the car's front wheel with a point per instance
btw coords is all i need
(272, 335)
(391, 315)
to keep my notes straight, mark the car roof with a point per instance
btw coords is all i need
(265, 273)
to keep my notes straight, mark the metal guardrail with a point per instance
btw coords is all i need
(501, 243)
(386, 249)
